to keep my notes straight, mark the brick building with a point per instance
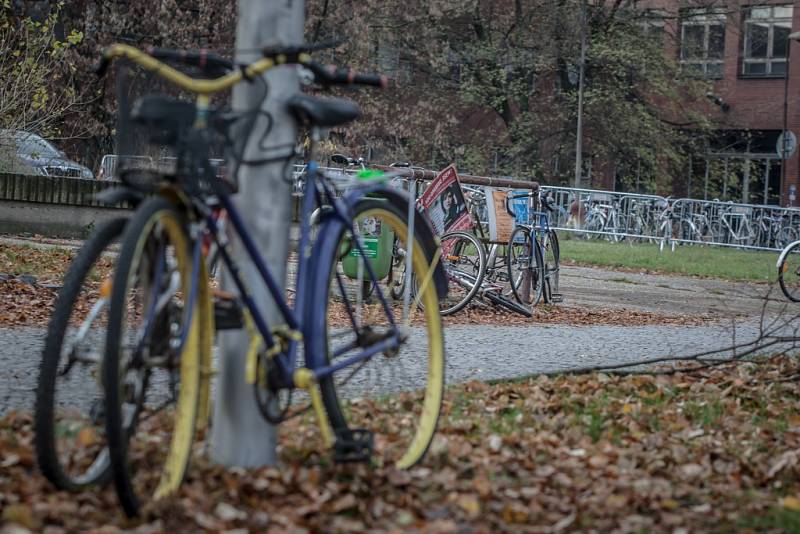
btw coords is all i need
(743, 50)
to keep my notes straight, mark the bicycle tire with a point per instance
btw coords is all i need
(46, 435)
(594, 224)
(786, 235)
(527, 286)
(790, 288)
(553, 270)
(154, 212)
(471, 287)
(324, 286)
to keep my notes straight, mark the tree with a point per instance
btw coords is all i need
(36, 89)
(493, 82)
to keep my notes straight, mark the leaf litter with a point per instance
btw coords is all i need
(713, 450)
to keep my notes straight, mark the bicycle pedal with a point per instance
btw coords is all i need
(556, 298)
(355, 445)
(227, 313)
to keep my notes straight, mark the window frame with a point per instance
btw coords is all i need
(768, 61)
(705, 18)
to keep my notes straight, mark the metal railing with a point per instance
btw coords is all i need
(628, 216)
(612, 215)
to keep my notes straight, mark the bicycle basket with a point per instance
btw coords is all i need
(154, 119)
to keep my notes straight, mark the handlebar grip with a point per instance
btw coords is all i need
(101, 66)
(375, 80)
(334, 76)
(508, 207)
(292, 51)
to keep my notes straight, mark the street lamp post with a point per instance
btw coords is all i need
(792, 37)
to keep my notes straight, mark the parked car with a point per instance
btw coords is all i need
(26, 153)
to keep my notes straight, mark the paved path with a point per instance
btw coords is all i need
(484, 352)
(672, 295)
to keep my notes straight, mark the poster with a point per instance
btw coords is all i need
(519, 202)
(501, 224)
(443, 202)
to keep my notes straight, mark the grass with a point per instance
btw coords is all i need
(729, 264)
(47, 262)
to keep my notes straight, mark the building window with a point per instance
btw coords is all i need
(767, 29)
(703, 42)
(652, 24)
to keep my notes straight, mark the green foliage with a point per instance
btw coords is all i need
(35, 86)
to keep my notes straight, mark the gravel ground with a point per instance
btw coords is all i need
(472, 353)
(488, 352)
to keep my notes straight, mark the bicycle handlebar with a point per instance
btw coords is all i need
(207, 61)
(272, 57)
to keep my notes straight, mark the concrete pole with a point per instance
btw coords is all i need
(240, 436)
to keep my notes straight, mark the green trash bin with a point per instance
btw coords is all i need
(378, 239)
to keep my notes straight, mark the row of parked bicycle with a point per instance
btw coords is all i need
(639, 218)
(517, 273)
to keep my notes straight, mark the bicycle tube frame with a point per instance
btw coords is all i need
(287, 361)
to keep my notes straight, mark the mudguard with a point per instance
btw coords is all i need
(429, 240)
(118, 194)
(785, 251)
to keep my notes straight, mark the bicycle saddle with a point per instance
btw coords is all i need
(325, 112)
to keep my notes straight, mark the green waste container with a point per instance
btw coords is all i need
(378, 238)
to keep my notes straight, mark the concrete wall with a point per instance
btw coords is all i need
(53, 207)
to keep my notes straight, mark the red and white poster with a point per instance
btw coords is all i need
(443, 202)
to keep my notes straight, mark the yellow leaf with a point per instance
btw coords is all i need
(669, 504)
(627, 408)
(791, 503)
(20, 514)
(87, 436)
(470, 505)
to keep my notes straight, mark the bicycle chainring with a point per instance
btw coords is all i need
(273, 400)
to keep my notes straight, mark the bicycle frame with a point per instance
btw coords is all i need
(282, 341)
(294, 328)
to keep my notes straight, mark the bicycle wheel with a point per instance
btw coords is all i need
(789, 274)
(151, 369)
(464, 261)
(398, 391)
(69, 427)
(786, 235)
(551, 255)
(593, 225)
(525, 267)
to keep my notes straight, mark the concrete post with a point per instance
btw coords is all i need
(240, 436)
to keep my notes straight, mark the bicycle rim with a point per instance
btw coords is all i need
(384, 393)
(154, 466)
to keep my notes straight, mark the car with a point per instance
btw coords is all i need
(24, 152)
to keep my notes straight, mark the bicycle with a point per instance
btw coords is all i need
(533, 255)
(161, 288)
(477, 269)
(789, 271)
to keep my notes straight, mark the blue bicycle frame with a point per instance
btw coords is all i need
(337, 209)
